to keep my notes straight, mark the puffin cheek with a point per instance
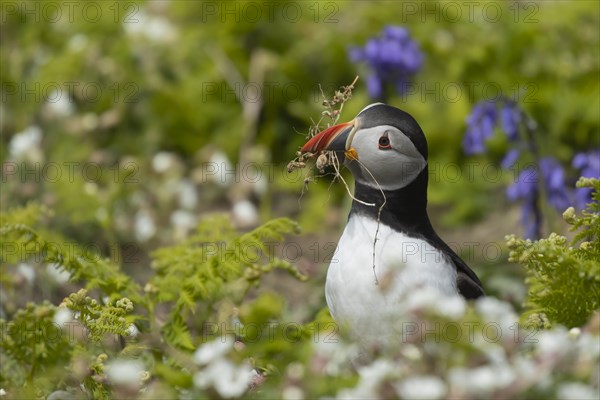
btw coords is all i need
(416, 165)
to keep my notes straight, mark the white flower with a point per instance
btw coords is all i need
(554, 343)
(505, 376)
(132, 331)
(411, 352)
(144, 226)
(183, 219)
(459, 377)
(183, 222)
(576, 391)
(59, 103)
(588, 346)
(497, 311)
(371, 376)
(292, 393)
(163, 161)
(453, 307)
(2, 392)
(482, 379)
(62, 316)
(125, 372)
(421, 387)
(574, 333)
(77, 42)
(245, 213)
(222, 170)
(58, 274)
(526, 369)
(295, 371)
(261, 184)
(27, 271)
(188, 197)
(336, 354)
(154, 28)
(228, 379)
(496, 354)
(213, 350)
(25, 144)
(492, 307)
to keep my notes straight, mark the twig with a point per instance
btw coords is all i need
(336, 166)
(375, 239)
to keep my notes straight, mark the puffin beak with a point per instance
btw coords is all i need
(335, 138)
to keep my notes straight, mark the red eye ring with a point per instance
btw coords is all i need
(384, 143)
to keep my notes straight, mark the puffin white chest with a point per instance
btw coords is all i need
(402, 264)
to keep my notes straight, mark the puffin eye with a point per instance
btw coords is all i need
(384, 142)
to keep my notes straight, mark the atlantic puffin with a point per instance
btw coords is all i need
(388, 238)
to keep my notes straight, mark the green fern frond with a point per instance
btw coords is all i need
(214, 265)
(177, 333)
(32, 343)
(100, 319)
(20, 242)
(563, 277)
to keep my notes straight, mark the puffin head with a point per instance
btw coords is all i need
(383, 146)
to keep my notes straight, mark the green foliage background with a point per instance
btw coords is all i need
(176, 79)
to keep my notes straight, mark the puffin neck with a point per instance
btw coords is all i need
(405, 209)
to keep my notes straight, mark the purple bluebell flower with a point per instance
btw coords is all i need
(510, 158)
(554, 182)
(583, 196)
(588, 163)
(510, 118)
(526, 188)
(356, 54)
(393, 58)
(481, 123)
(375, 86)
(589, 166)
(399, 33)
(531, 220)
(480, 126)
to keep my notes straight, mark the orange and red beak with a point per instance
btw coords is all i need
(335, 138)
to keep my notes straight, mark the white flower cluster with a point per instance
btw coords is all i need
(218, 372)
(512, 363)
(126, 372)
(26, 145)
(151, 27)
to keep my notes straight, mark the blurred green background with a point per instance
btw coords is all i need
(134, 120)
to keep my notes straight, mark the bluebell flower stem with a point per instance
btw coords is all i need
(531, 140)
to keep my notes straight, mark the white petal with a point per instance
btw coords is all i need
(213, 350)
(62, 317)
(124, 372)
(421, 387)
